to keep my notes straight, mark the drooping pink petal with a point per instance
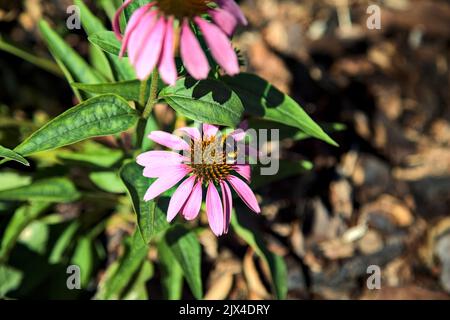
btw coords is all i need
(138, 37)
(179, 197)
(192, 132)
(132, 25)
(244, 170)
(227, 200)
(160, 170)
(116, 20)
(244, 192)
(151, 51)
(192, 54)
(167, 67)
(220, 46)
(214, 210)
(225, 20)
(238, 135)
(164, 183)
(233, 8)
(152, 158)
(194, 203)
(168, 140)
(209, 130)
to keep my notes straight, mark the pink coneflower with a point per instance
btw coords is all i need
(161, 28)
(205, 162)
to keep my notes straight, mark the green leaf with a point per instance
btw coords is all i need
(171, 272)
(108, 181)
(121, 67)
(187, 251)
(84, 258)
(100, 62)
(107, 41)
(277, 266)
(63, 243)
(208, 101)
(21, 218)
(135, 253)
(90, 22)
(151, 219)
(77, 67)
(129, 90)
(98, 116)
(11, 155)
(262, 99)
(42, 63)
(51, 190)
(92, 153)
(10, 279)
(12, 180)
(35, 237)
(138, 290)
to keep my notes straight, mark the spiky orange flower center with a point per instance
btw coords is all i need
(183, 8)
(210, 161)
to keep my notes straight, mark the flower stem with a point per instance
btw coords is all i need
(142, 90)
(153, 95)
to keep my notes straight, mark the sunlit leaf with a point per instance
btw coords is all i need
(11, 155)
(207, 101)
(262, 99)
(98, 116)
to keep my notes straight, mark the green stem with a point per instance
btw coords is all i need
(43, 63)
(142, 90)
(153, 98)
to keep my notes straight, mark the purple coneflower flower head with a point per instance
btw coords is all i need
(206, 163)
(162, 28)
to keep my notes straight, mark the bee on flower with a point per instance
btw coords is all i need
(206, 162)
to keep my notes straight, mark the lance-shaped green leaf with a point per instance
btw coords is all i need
(171, 272)
(262, 99)
(108, 181)
(151, 219)
(129, 90)
(120, 276)
(11, 155)
(277, 266)
(91, 24)
(10, 279)
(78, 68)
(90, 153)
(51, 190)
(107, 41)
(84, 258)
(138, 290)
(98, 116)
(21, 218)
(187, 251)
(207, 101)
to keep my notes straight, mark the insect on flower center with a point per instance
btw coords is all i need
(183, 8)
(210, 160)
